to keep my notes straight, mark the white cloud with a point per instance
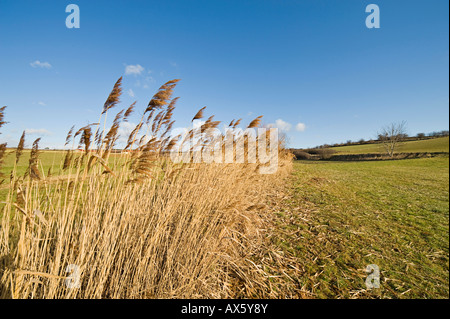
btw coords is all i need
(282, 125)
(197, 123)
(130, 92)
(126, 128)
(41, 131)
(300, 127)
(144, 82)
(42, 104)
(39, 64)
(133, 69)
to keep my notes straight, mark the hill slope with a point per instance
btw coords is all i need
(440, 144)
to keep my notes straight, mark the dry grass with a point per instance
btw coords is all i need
(136, 224)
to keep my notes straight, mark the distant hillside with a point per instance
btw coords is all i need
(440, 144)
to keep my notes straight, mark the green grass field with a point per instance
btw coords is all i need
(440, 144)
(343, 216)
(47, 159)
(49, 162)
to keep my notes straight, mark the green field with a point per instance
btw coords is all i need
(50, 165)
(440, 144)
(47, 159)
(343, 216)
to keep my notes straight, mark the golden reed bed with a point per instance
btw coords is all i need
(137, 224)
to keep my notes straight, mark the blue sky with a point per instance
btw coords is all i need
(311, 62)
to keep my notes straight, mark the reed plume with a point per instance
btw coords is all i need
(69, 135)
(113, 97)
(199, 114)
(2, 116)
(3, 145)
(20, 147)
(86, 135)
(162, 97)
(129, 111)
(33, 170)
(256, 122)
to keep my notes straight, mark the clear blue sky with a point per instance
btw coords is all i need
(312, 62)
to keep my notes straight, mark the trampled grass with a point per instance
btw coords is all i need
(440, 144)
(343, 216)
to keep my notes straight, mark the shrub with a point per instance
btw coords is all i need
(301, 155)
(323, 153)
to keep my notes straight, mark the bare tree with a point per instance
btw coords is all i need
(420, 135)
(392, 136)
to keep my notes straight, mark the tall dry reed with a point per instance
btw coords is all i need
(131, 223)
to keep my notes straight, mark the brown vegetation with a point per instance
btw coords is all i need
(135, 224)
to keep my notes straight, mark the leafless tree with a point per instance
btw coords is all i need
(392, 135)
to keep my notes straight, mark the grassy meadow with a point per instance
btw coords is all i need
(48, 160)
(51, 164)
(340, 217)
